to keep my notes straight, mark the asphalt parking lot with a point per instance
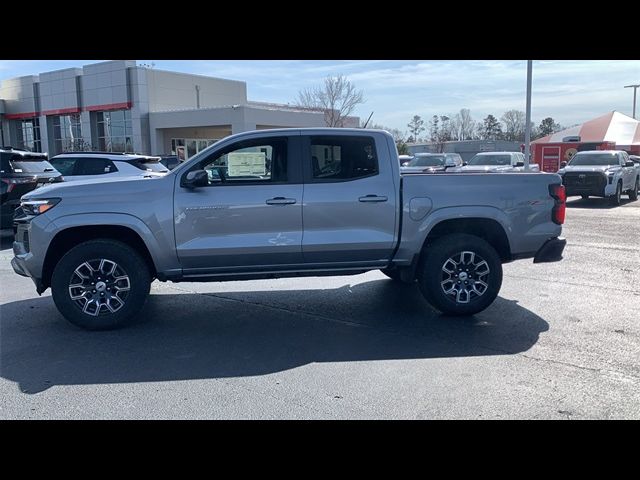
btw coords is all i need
(562, 341)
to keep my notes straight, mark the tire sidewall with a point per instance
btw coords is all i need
(431, 273)
(118, 252)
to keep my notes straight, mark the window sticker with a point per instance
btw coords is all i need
(242, 164)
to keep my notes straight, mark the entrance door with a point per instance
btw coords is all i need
(550, 159)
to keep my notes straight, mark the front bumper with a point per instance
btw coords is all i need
(22, 262)
(551, 251)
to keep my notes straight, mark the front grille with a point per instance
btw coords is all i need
(594, 180)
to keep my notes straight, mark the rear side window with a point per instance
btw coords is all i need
(342, 158)
(95, 166)
(64, 165)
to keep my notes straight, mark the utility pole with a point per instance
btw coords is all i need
(527, 131)
(635, 87)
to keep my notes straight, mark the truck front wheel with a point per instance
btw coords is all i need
(100, 284)
(460, 274)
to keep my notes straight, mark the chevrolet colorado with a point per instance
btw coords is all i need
(284, 203)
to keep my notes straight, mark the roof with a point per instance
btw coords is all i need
(118, 156)
(612, 127)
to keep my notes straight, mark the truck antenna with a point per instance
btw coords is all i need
(367, 122)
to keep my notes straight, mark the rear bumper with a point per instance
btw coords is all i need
(551, 251)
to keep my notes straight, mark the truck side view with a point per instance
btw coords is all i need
(285, 203)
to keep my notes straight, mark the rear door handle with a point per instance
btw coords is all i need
(373, 198)
(281, 201)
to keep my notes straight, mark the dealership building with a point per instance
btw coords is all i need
(120, 106)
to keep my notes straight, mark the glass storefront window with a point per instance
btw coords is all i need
(185, 148)
(114, 131)
(67, 133)
(29, 135)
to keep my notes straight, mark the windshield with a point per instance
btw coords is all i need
(427, 161)
(31, 166)
(594, 159)
(490, 160)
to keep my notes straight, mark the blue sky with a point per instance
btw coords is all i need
(569, 91)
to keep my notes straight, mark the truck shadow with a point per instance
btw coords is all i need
(595, 203)
(246, 333)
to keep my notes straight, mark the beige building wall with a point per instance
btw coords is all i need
(177, 91)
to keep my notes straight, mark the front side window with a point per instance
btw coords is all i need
(343, 158)
(249, 162)
(114, 131)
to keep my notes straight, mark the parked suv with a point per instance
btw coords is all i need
(98, 165)
(21, 172)
(497, 162)
(601, 173)
(431, 162)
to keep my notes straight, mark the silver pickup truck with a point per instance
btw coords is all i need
(285, 203)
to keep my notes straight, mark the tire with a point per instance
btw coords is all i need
(585, 197)
(616, 199)
(92, 263)
(455, 248)
(392, 274)
(633, 193)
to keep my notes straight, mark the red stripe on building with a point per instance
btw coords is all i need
(108, 106)
(16, 116)
(62, 111)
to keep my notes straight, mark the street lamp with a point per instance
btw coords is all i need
(635, 87)
(527, 132)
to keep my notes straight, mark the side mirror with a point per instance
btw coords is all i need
(195, 178)
(629, 164)
(464, 164)
(563, 164)
(519, 164)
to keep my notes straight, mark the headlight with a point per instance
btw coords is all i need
(36, 207)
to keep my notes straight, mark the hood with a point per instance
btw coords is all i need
(589, 168)
(110, 186)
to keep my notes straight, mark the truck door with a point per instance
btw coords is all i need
(350, 204)
(249, 215)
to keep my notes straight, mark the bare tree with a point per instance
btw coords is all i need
(416, 125)
(337, 97)
(515, 123)
(466, 125)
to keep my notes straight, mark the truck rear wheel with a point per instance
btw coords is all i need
(100, 284)
(460, 274)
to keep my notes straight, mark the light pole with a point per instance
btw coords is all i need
(635, 87)
(527, 131)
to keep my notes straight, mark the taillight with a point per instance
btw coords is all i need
(560, 196)
(12, 182)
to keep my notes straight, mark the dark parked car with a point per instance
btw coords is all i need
(21, 172)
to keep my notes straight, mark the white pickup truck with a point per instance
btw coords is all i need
(601, 173)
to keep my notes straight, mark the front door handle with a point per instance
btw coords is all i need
(281, 201)
(373, 198)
